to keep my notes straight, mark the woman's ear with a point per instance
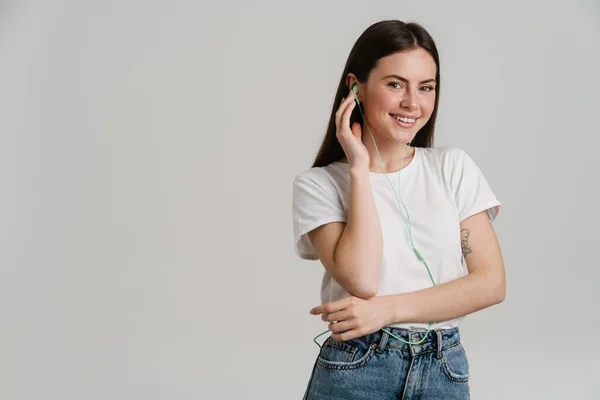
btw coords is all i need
(351, 81)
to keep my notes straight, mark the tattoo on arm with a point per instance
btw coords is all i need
(464, 241)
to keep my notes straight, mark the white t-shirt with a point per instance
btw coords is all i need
(440, 188)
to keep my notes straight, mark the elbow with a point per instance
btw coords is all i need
(501, 295)
(498, 291)
(356, 280)
(492, 286)
(360, 287)
(365, 293)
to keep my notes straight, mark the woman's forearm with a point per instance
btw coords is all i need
(359, 250)
(446, 301)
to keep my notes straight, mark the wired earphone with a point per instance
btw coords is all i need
(407, 224)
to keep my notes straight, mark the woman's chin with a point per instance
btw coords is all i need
(394, 134)
(404, 136)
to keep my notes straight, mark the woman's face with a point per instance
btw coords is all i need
(399, 96)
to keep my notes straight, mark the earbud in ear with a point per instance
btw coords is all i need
(355, 90)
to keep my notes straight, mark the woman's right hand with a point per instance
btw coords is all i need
(350, 138)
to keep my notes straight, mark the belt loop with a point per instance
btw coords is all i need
(382, 342)
(439, 343)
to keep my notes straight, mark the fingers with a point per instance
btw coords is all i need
(335, 316)
(342, 114)
(346, 335)
(333, 307)
(357, 130)
(340, 327)
(347, 113)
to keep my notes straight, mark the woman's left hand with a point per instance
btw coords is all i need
(355, 316)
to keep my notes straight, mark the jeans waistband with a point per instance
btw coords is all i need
(436, 340)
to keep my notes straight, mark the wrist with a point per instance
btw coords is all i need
(359, 169)
(390, 309)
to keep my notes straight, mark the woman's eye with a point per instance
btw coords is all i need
(395, 85)
(427, 88)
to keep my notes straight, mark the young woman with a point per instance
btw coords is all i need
(402, 229)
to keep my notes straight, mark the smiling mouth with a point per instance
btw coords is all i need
(406, 120)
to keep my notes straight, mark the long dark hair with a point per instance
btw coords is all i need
(379, 40)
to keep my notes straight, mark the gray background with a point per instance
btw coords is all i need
(147, 154)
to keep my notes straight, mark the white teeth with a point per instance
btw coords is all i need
(403, 119)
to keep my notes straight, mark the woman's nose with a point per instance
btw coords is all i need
(409, 101)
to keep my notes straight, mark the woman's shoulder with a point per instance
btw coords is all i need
(326, 175)
(442, 152)
(446, 156)
(320, 182)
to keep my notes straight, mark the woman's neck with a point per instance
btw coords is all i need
(392, 160)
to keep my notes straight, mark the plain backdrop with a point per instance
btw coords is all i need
(147, 155)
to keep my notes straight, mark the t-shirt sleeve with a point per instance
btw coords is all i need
(472, 192)
(313, 204)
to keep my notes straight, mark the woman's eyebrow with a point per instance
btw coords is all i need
(398, 77)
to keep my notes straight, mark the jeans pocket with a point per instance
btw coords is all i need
(455, 363)
(350, 354)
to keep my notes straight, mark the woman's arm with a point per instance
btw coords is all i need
(352, 253)
(483, 286)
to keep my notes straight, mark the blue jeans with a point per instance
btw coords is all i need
(378, 366)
